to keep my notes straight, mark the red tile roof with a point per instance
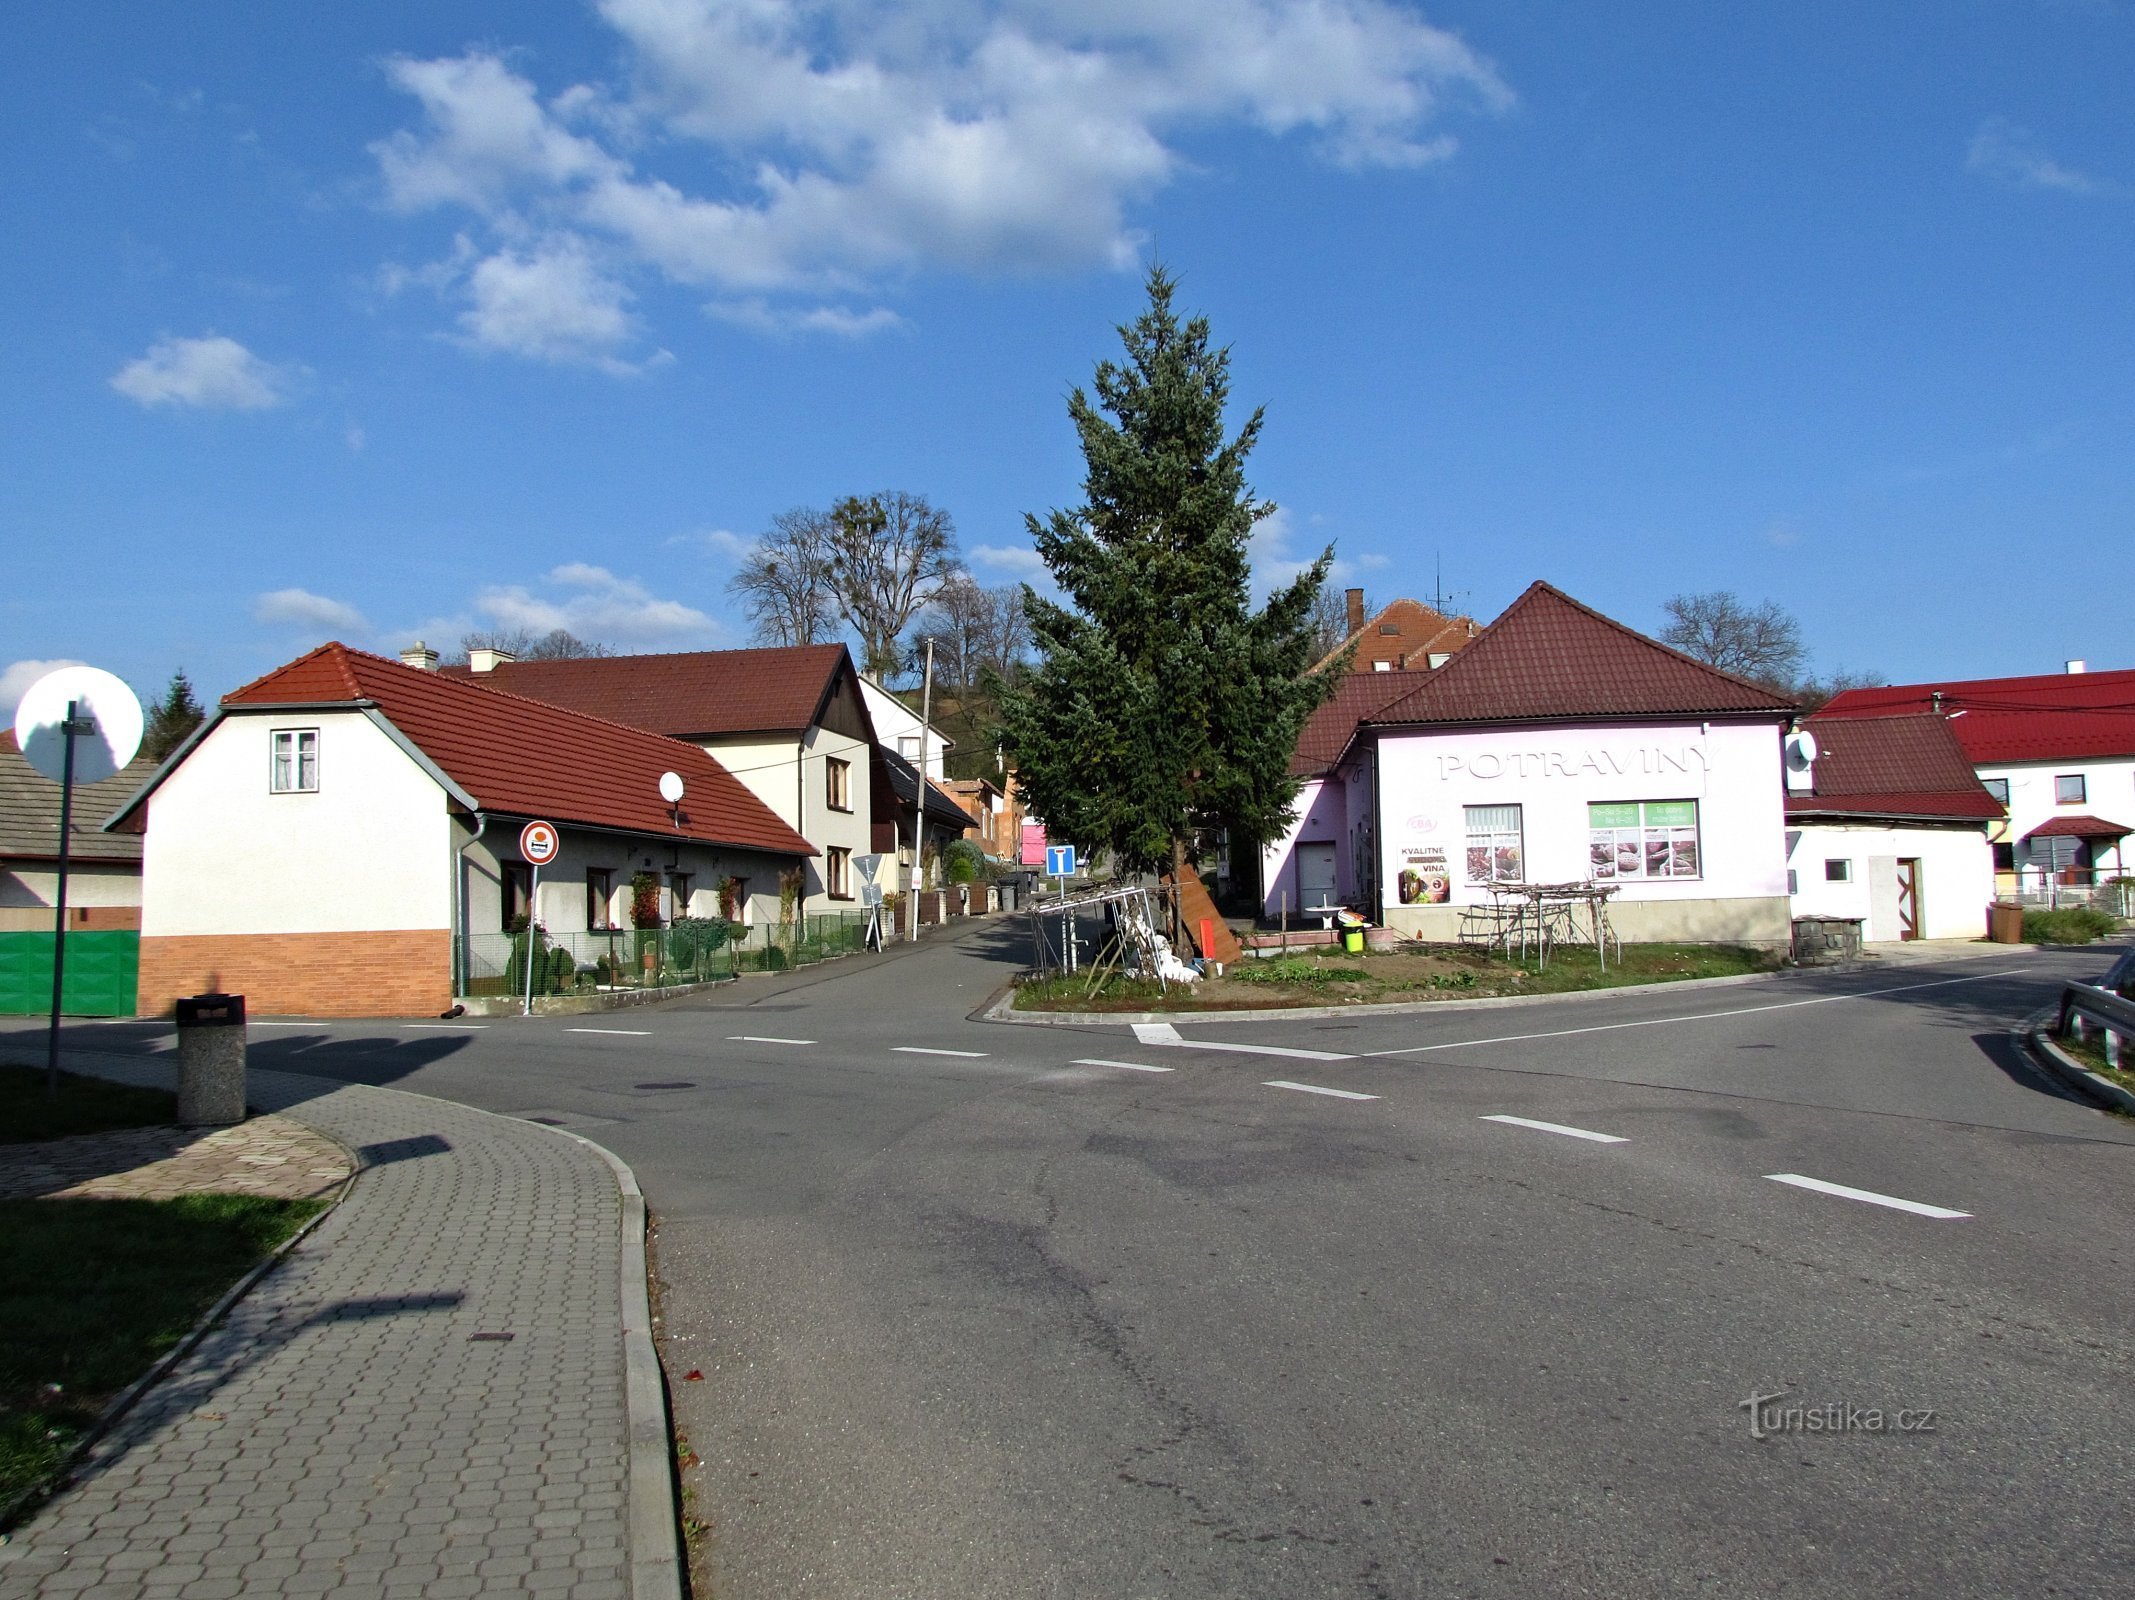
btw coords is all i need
(528, 758)
(1406, 633)
(1907, 766)
(1328, 730)
(2079, 828)
(2050, 717)
(688, 694)
(1550, 659)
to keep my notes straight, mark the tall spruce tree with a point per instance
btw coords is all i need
(1165, 707)
(171, 719)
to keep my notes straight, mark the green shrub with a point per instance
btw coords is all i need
(691, 939)
(1291, 970)
(2068, 925)
(962, 861)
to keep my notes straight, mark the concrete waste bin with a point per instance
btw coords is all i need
(211, 1060)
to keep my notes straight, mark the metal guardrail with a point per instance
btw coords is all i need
(2084, 1004)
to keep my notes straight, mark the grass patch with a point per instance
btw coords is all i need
(92, 1292)
(2091, 1052)
(1420, 972)
(83, 1105)
(2067, 925)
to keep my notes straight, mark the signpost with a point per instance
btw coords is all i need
(76, 725)
(1060, 861)
(538, 843)
(871, 897)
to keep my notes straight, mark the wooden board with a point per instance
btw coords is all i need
(1198, 909)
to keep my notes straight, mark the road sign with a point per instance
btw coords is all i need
(1060, 861)
(871, 894)
(538, 842)
(866, 866)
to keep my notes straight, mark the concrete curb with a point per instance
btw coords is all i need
(2035, 1030)
(999, 1007)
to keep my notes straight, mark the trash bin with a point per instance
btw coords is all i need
(1353, 941)
(211, 1060)
(2005, 923)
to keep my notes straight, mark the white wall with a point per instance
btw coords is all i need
(2109, 794)
(1732, 770)
(1319, 815)
(895, 721)
(790, 777)
(561, 892)
(368, 851)
(1956, 876)
(92, 883)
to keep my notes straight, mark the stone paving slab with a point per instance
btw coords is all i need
(345, 1432)
(265, 1155)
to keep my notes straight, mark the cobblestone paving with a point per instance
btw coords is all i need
(346, 1432)
(267, 1155)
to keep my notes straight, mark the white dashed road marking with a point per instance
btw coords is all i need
(1313, 1088)
(1130, 1066)
(1558, 1127)
(631, 1033)
(1157, 1033)
(1164, 1033)
(764, 1038)
(922, 1050)
(1869, 1196)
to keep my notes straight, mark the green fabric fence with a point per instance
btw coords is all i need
(103, 968)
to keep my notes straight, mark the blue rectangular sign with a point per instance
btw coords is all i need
(1060, 861)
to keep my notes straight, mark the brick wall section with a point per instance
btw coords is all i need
(398, 973)
(89, 919)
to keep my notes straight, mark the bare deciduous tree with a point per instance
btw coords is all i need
(783, 583)
(1330, 620)
(975, 630)
(524, 644)
(885, 557)
(1762, 642)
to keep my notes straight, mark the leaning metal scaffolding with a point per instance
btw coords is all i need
(1058, 947)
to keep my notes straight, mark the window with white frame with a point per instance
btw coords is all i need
(294, 768)
(1494, 853)
(1643, 839)
(2068, 789)
(908, 746)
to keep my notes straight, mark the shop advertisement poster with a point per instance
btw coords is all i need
(1424, 879)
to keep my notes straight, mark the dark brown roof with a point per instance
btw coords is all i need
(2079, 828)
(530, 759)
(29, 811)
(1908, 766)
(1405, 634)
(687, 694)
(1550, 659)
(1328, 730)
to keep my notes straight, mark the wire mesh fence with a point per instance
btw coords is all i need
(618, 959)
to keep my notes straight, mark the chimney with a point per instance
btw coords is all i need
(419, 656)
(2078, 666)
(482, 658)
(1356, 610)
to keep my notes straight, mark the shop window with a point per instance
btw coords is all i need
(2068, 789)
(838, 784)
(1643, 839)
(600, 897)
(838, 873)
(1494, 853)
(1997, 787)
(1838, 872)
(295, 766)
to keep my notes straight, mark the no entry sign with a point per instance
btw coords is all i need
(538, 842)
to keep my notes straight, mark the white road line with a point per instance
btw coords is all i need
(1558, 1127)
(1869, 1196)
(634, 1033)
(1165, 1034)
(1156, 1033)
(1313, 1088)
(1697, 1016)
(763, 1038)
(922, 1050)
(1131, 1066)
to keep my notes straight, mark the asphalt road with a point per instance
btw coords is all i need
(994, 1310)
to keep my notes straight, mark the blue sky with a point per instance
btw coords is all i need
(370, 321)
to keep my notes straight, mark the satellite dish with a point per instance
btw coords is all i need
(1801, 749)
(671, 787)
(98, 698)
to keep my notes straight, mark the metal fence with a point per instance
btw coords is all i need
(2112, 892)
(492, 964)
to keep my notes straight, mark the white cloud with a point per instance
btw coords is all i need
(2009, 154)
(1019, 559)
(211, 371)
(16, 678)
(595, 604)
(855, 144)
(551, 303)
(723, 542)
(312, 613)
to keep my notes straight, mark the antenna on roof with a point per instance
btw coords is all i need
(1442, 600)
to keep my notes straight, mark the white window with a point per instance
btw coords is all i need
(1643, 839)
(908, 746)
(1838, 872)
(1494, 854)
(295, 767)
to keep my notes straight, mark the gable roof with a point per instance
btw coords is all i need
(29, 811)
(2061, 716)
(685, 694)
(524, 757)
(1328, 730)
(1904, 766)
(1405, 633)
(1550, 659)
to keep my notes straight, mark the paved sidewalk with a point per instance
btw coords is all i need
(348, 1430)
(265, 1155)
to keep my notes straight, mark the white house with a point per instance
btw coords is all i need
(1558, 746)
(899, 730)
(1887, 824)
(331, 839)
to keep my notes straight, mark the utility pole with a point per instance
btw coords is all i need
(919, 821)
